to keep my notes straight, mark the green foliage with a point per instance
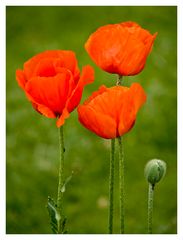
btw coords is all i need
(55, 217)
(32, 140)
(66, 182)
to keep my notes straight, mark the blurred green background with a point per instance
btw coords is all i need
(32, 140)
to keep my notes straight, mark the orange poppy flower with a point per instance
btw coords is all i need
(53, 84)
(120, 48)
(111, 112)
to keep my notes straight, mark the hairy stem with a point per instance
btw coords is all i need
(111, 187)
(150, 207)
(121, 184)
(61, 179)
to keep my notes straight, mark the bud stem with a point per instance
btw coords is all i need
(150, 207)
(61, 178)
(111, 187)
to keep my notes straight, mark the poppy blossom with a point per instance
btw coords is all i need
(111, 112)
(120, 48)
(53, 83)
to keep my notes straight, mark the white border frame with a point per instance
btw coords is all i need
(3, 4)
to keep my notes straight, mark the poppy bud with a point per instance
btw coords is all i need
(155, 170)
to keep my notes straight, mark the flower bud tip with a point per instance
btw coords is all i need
(155, 170)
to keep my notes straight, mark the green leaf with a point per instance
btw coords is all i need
(55, 218)
(64, 223)
(54, 215)
(66, 182)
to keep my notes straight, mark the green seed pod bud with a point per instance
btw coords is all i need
(155, 170)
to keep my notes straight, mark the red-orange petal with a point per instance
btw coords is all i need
(43, 110)
(51, 92)
(103, 125)
(52, 83)
(120, 48)
(20, 77)
(65, 114)
(70, 62)
(127, 117)
(110, 101)
(138, 95)
(101, 90)
(111, 112)
(45, 68)
(133, 100)
(67, 59)
(87, 76)
(135, 64)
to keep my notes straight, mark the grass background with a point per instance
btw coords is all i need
(32, 140)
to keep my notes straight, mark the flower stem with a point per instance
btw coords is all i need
(119, 79)
(121, 184)
(61, 179)
(121, 173)
(150, 207)
(111, 186)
